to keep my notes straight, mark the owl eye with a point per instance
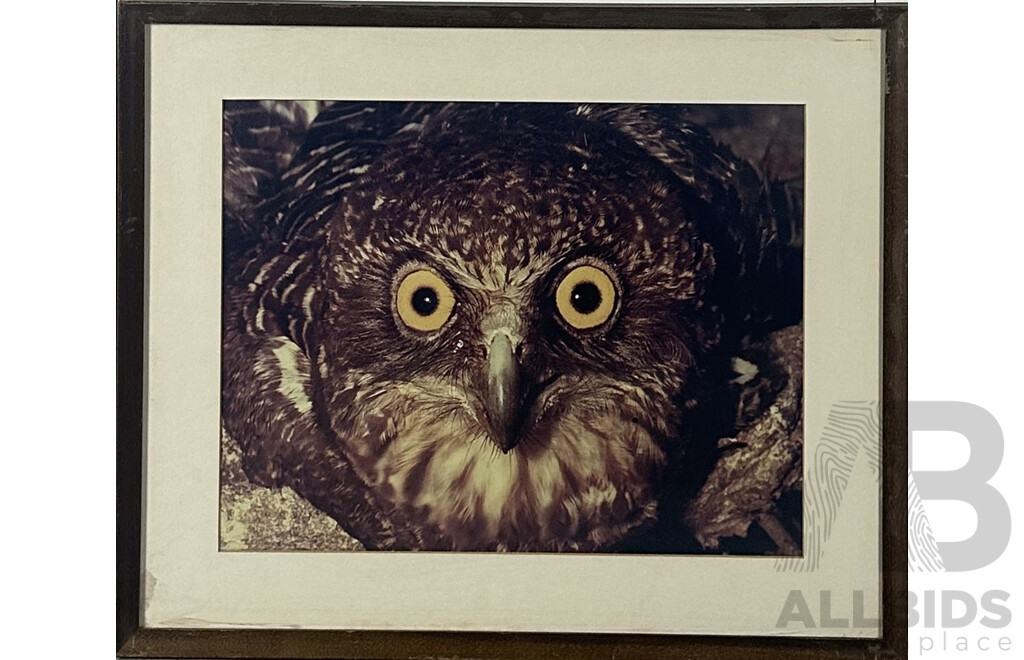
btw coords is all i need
(585, 298)
(424, 302)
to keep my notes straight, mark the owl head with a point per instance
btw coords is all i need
(516, 306)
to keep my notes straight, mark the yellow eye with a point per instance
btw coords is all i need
(586, 297)
(424, 301)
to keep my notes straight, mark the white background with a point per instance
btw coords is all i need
(58, 255)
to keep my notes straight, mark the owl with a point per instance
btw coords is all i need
(488, 327)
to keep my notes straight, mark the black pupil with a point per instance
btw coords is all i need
(585, 297)
(424, 301)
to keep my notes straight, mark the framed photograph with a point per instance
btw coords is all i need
(511, 331)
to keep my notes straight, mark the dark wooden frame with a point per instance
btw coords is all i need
(136, 641)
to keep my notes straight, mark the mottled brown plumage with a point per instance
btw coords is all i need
(507, 428)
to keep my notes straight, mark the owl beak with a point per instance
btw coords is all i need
(502, 397)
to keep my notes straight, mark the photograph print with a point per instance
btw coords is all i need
(521, 327)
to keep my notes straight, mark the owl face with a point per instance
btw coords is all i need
(511, 316)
